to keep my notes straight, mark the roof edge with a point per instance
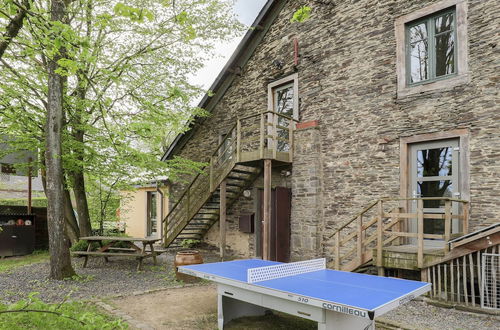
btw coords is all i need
(254, 30)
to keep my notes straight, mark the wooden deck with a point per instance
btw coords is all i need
(405, 256)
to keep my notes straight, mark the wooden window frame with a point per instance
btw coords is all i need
(461, 74)
(464, 159)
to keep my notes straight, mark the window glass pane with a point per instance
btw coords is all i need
(434, 226)
(419, 61)
(418, 32)
(442, 188)
(444, 23)
(284, 100)
(434, 162)
(445, 54)
(283, 134)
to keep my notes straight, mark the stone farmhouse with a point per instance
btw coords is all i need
(368, 134)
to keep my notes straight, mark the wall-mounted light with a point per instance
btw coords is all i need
(247, 193)
(278, 64)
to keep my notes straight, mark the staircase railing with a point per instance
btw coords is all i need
(266, 135)
(375, 227)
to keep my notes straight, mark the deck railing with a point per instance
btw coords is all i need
(266, 135)
(385, 222)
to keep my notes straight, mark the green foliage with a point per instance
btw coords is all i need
(38, 315)
(82, 246)
(127, 65)
(190, 243)
(134, 14)
(301, 15)
(11, 263)
(35, 202)
(80, 278)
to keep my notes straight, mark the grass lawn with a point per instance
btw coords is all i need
(10, 263)
(35, 314)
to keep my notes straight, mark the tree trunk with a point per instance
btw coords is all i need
(60, 260)
(14, 26)
(82, 206)
(71, 222)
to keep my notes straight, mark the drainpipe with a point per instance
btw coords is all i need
(161, 209)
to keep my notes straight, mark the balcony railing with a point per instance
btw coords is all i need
(382, 224)
(266, 135)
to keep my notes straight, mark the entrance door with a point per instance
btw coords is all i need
(280, 223)
(151, 217)
(434, 172)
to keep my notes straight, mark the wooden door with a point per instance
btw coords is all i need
(280, 223)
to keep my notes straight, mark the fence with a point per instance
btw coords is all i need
(490, 289)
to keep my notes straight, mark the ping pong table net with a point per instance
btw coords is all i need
(266, 273)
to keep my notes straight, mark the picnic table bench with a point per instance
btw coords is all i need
(132, 250)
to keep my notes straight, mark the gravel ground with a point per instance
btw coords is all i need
(97, 280)
(420, 315)
(119, 277)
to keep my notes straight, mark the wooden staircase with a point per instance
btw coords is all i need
(237, 161)
(237, 180)
(389, 236)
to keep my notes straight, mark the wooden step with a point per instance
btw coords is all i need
(243, 171)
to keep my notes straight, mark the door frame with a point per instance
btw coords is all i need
(291, 79)
(461, 134)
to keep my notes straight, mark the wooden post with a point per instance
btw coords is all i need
(457, 269)
(472, 288)
(262, 134)
(275, 134)
(360, 240)
(466, 218)
(420, 233)
(188, 202)
(380, 238)
(238, 141)
(291, 129)
(222, 220)
(445, 279)
(425, 275)
(464, 278)
(398, 228)
(29, 187)
(266, 253)
(337, 250)
(452, 280)
(447, 225)
(211, 174)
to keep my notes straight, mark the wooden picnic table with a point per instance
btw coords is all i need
(111, 250)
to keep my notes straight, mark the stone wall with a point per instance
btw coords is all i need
(347, 81)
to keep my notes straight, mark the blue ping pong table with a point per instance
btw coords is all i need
(334, 299)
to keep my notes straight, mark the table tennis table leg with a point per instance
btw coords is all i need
(230, 309)
(336, 320)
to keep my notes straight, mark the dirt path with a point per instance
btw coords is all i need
(182, 308)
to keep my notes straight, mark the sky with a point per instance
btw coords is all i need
(246, 11)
